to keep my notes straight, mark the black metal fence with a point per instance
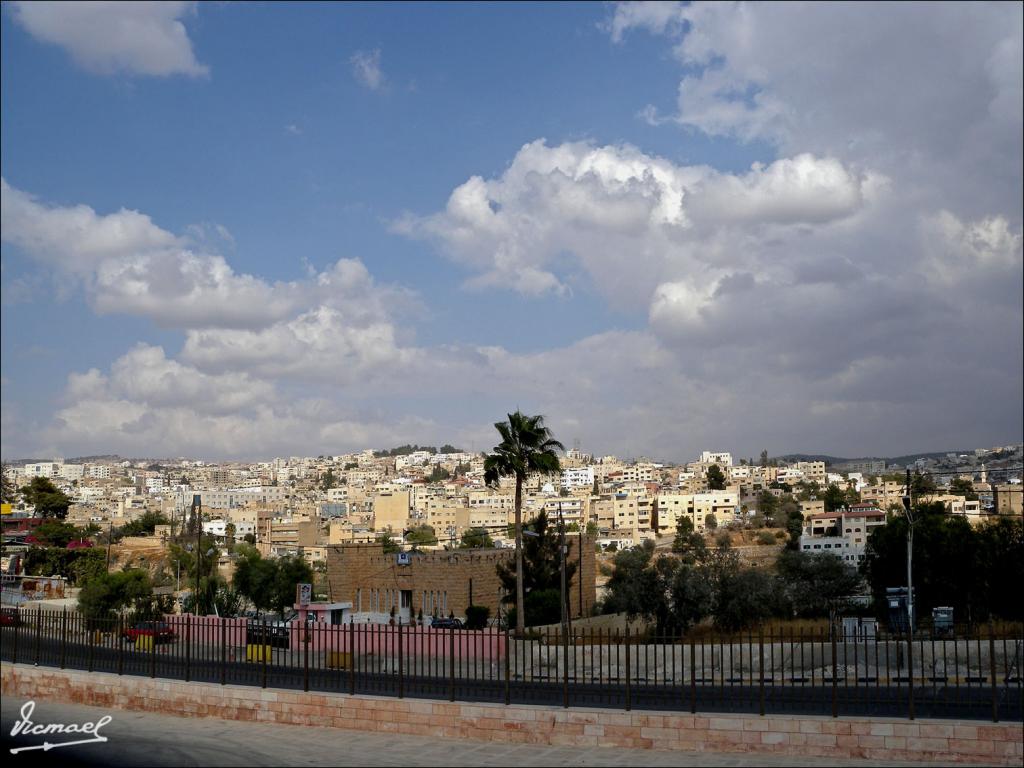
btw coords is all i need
(973, 676)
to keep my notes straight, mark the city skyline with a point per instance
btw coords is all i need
(395, 224)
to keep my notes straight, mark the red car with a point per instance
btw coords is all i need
(158, 629)
(9, 618)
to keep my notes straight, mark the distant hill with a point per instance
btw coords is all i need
(833, 460)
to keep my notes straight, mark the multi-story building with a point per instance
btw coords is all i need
(957, 505)
(391, 510)
(712, 457)
(1007, 498)
(578, 477)
(843, 533)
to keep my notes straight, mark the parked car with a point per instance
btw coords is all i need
(447, 624)
(9, 617)
(274, 633)
(159, 630)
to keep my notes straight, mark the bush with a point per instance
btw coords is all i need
(765, 537)
(477, 616)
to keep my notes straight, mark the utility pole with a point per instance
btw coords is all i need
(907, 506)
(561, 549)
(110, 535)
(197, 509)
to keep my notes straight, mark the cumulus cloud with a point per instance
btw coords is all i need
(366, 69)
(139, 38)
(929, 95)
(629, 219)
(127, 264)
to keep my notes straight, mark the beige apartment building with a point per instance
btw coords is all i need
(1007, 498)
(957, 505)
(391, 510)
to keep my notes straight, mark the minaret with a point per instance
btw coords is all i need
(984, 474)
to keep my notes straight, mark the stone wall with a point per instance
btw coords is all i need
(362, 572)
(939, 741)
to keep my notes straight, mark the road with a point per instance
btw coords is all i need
(148, 739)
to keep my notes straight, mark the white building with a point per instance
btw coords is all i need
(722, 459)
(578, 477)
(219, 528)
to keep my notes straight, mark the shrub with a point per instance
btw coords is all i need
(477, 616)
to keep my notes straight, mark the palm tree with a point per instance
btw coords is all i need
(526, 446)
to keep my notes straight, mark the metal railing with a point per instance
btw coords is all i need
(973, 676)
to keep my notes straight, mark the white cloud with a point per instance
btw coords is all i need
(366, 69)
(630, 220)
(929, 95)
(139, 38)
(129, 265)
(656, 16)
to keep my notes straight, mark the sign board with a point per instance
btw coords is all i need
(303, 593)
(5, 509)
(402, 558)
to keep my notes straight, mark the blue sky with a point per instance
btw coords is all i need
(691, 241)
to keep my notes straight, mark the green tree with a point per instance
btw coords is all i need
(817, 584)
(388, 544)
(48, 500)
(8, 490)
(965, 488)
(110, 593)
(476, 538)
(940, 541)
(541, 568)
(768, 505)
(526, 446)
(269, 583)
(834, 498)
(421, 535)
(688, 544)
(437, 474)
(144, 525)
(715, 478)
(328, 481)
(254, 578)
(56, 533)
(710, 522)
(922, 485)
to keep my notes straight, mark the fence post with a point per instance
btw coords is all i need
(693, 678)
(508, 683)
(629, 692)
(760, 668)
(39, 632)
(152, 652)
(91, 632)
(910, 675)
(992, 671)
(188, 648)
(265, 650)
(120, 645)
(17, 626)
(223, 650)
(305, 657)
(565, 667)
(352, 657)
(451, 665)
(63, 635)
(835, 672)
(401, 664)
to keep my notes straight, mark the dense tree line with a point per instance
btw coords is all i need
(975, 570)
(697, 583)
